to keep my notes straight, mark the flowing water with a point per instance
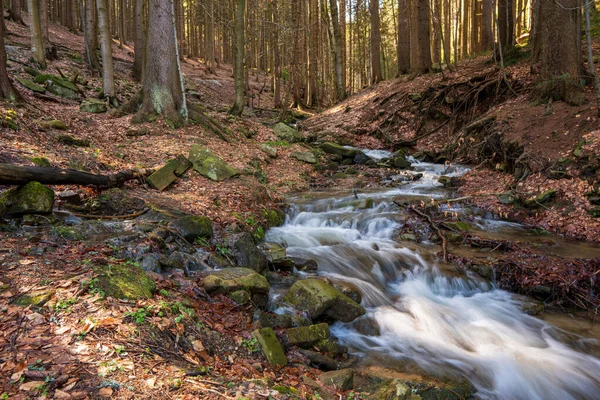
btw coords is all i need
(428, 315)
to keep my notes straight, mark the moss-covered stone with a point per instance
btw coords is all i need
(41, 162)
(193, 226)
(274, 218)
(31, 85)
(72, 141)
(271, 320)
(304, 156)
(446, 181)
(94, 106)
(399, 160)
(334, 148)
(35, 299)
(460, 226)
(340, 379)
(270, 346)
(330, 346)
(30, 198)
(318, 298)
(124, 281)
(240, 296)
(307, 335)
(31, 71)
(394, 390)
(274, 252)
(287, 133)
(507, 198)
(168, 173)
(247, 255)
(58, 86)
(230, 280)
(210, 165)
(541, 199)
(68, 233)
(270, 151)
(289, 390)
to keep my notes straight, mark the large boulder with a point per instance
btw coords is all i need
(320, 299)
(287, 133)
(93, 106)
(210, 165)
(247, 255)
(230, 280)
(193, 226)
(334, 148)
(399, 160)
(270, 346)
(30, 198)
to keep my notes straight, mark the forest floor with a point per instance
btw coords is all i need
(78, 346)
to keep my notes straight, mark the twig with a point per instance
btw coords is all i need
(127, 216)
(202, 387)
(439, 231)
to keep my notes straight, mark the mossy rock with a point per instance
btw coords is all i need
(304, 336)
(274, 218)
(27, 199)
(58, 86)
(320, 299)
(31, 71)
(41, 162)
(340, 379)
(270, 151)
(507, 198)
(71, 141)
(460, 226)
(231, 280)
(68, 233)
(331, 346)
(334, 148)
(240, 296)
(287, 133)
(31, 85)
(247, 255)
(35, 299)
(61, 126)
(541, 199)
(270, 346)
(289, 390)
(595, 212)
(124, 281)
(304, 156)
(446, 181)
(210, 165)
(192, 227)
(93, 106)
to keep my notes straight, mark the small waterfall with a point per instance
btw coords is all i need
(424, 313)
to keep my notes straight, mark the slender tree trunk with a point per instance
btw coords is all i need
(162, 89)
(37, 44)
(108, 86)
(337, 43)
(590, 55)
(313, 49)
(14, 12)
(506, 24)
(420, 59)
(403, 49)
(7, 91)
(48, 48)
(376, 75)
(343, 42)
(91, 37)
(240, 87)
(276, 57)
(139, 42)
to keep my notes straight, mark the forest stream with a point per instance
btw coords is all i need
(424, 313)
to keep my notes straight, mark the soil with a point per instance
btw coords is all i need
(79, 345)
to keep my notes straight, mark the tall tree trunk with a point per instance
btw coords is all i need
(91, 37)
(240, 87)
(487, 24)
(559, 41)
(14, 12)
(48, 48)
(420, 59)
(343, 42)
(276, 57)
(313, 49)
(591, 66)
(122, 39)
(7, 91)
(139, 42)
(376, 75)
(108, 85)
(403, 49)
(506, 24)
(162, 89)
(340, 90)
(35, 28)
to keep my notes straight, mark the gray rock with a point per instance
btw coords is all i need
(30, 198)
(247, 255)
(334, 148)
(150, 263)
(210, 165)
(93, 106)
(307, 335)
(320, 361)
(270, 151)
(270, 346)
(304, 156)
(287, 133)
(192, 227)
(342, 379)
(361, 158)
(230, 280)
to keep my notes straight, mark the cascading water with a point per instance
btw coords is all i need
(425, 313)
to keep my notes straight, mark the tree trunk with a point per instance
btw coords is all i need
(420, 59)
(17, 175)
(240, 86)
(376, 75)
(91, 37)
(342, 10)
(590, 55)
(37, 44)
(312, 98)
(14, 12)
(162, 89)
(487, 25)
(403, 49)
(138, 60)
(49, 50)
(108, 79)
(340, 90)
(276, 57)
(7, 91)
(559, 42)
(506, 24)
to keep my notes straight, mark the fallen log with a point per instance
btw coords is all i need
(17, 175)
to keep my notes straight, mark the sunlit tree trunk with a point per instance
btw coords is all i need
(337, 43)
(376, 75)
(91, 36)
(108, 85)
(420, 59)
(139, 43)
(240, 87)
(35, 28)
(487, 25)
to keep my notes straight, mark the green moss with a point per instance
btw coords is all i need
(307, 335)
(30, 198)
(36, 299)
(230, 280)
(270, 346)
(458, 225)
(68, 233)
(41, 161)
(274, 218)
(124, 281)
(285, 389)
